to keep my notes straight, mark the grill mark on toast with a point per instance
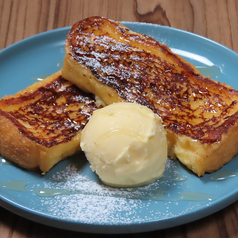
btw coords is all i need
(58, 112)
(188, 103)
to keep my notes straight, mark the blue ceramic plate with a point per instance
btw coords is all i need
(70, 196)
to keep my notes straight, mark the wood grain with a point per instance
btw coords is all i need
(215, 19)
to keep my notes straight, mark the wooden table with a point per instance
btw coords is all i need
(215, 19)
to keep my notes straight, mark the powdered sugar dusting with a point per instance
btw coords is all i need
(92, 202)
(73, 195)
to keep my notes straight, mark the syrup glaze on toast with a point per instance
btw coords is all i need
(49, 113)
(56, 113)
(188, 103)
(137, 68)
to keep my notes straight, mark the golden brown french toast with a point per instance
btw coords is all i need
(199, 114)
(41, 125)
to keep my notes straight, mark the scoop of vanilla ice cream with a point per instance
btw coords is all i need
(125, 144)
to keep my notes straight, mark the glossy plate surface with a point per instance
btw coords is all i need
(70, 196)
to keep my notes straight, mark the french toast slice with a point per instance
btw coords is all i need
(199, 114)
(41, 125)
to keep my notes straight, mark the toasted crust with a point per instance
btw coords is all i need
(199, 114)
(41, 125)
